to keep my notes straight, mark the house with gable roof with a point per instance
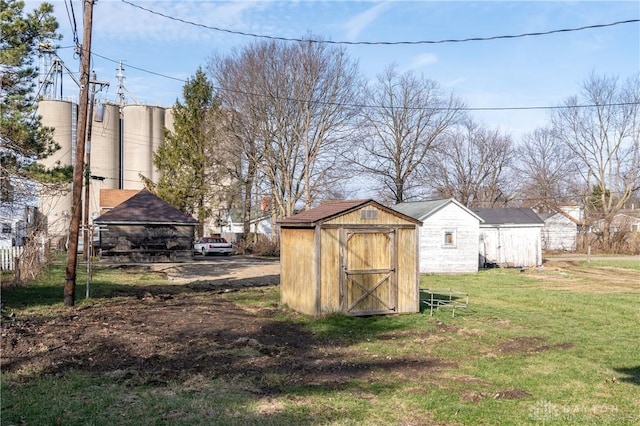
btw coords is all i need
(448, 235)
(561, 227)
(145, 228)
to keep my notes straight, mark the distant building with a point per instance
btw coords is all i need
(17, 222)
(625, 221)
(561, 228)
(510, 237)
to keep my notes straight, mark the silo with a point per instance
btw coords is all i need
(157, 137)
(168, 119)
(61, 116)
(105, 145)
(137, 145)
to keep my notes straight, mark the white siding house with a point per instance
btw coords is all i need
(16, 222)
(448, 235)
(624, 221)
(510, 237)
(560, 231)
(232, 228)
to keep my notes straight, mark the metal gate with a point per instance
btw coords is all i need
(368, 272)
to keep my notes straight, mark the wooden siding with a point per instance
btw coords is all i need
(511, 246)
(559, 233)
(351, 264)
(462, 255)
(329, 271)
(407, 275)
(369, 286)
(354, 218)
(298, 273)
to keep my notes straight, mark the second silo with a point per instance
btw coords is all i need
(137, 148)
(105, 145)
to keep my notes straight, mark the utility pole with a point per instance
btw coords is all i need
(88, 236)
(76, 208)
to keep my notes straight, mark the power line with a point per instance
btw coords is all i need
(141, 69)
(524, 108)
(72, 21)
(515, 108)
(379, 43)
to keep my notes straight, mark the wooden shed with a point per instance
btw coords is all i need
(145, 228)
(356, 256)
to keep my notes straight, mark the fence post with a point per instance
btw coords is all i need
(16, 271)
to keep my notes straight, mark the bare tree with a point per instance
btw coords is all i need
(547, 170)
(601, 127)
(473, 166)
(293, 115)
(404, 118)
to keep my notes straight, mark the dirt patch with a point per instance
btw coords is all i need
(155, 339)
(511, 394)
(529, 345)
(188, 331)
(572, 276)
(159, 335)
(477, 396)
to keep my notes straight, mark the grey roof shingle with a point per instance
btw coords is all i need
(421, 210)
(144, 207)
(509, 216)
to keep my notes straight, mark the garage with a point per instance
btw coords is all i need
(145, 228)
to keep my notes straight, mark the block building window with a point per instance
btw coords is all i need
(449, 238)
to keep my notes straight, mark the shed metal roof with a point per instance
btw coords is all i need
(144, 207)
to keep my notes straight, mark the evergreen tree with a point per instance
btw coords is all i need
(186, 158)
(22, 137)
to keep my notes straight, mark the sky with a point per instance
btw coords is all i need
(159, 53)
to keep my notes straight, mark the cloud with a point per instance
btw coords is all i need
(361, 21)
(455, 82)
(121, 21)
(423, 60)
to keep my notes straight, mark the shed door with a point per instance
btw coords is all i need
(368, 266)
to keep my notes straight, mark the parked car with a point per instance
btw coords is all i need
(212, 245)
(80, 249)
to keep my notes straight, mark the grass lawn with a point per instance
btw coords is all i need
(554, 345)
